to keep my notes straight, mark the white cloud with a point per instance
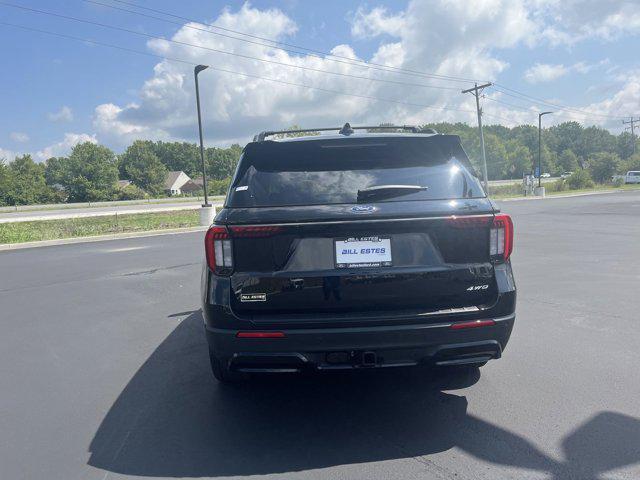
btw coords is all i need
(64, 146)
(376, 22)
(566, 22)
(445, 37)
(19, 137)
(63, 115)
(624, 101)
(544, 72)
(235, 107)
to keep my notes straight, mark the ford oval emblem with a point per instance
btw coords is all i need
(363, 209)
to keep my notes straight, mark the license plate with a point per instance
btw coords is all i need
(360, 252)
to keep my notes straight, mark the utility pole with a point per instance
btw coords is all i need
(476, 90)
(540, 147)
(633, 135)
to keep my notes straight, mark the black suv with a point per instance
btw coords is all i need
(356, 250)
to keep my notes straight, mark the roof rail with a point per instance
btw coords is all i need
(346, 129)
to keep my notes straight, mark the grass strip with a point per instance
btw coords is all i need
(90, 226)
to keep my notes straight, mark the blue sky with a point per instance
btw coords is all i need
(55, 92)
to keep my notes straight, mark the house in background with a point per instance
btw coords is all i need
(123, 183)
(192, 187)
(175, 181)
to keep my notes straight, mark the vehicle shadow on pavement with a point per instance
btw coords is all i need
(174, 420)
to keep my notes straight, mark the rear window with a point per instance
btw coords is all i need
(317, 172)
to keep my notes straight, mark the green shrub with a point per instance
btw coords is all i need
(505, 190)
(219, 187)
(618, 182)
(558, 186)
(131, 192)
(580, 179)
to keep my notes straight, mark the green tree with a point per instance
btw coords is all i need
(221, 162)
(131, 192)
(631, 163)
(497, 163)
(580, 179)
(53, 170)
(6, 183)
(568, 161)
(179, 156)
(28, 185)
(566, 136)
(90, 173)
(624, 145)
(595, 140)
(140, 164)
(519, 159)
(603, 165)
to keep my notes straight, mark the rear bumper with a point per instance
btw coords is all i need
(361, 347)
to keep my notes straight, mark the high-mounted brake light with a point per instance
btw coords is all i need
(218, 249)
(501, 237)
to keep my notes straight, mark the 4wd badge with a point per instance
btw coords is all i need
(253, 297)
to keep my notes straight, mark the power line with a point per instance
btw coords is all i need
(528, 109)
(520, 95)
(283, 82)
(225, 52)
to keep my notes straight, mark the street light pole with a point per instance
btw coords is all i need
(540, 147)
(196, 71)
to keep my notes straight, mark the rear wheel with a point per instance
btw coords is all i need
(221, 370)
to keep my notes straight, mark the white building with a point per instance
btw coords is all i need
(175, 181)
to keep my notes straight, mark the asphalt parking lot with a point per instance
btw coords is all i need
(104, 371)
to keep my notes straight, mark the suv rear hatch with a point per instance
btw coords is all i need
(305, 243)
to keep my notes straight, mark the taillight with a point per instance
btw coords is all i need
(218, 243)
(218, 249)
(501, 237)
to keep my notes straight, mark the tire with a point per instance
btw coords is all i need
(221, 371)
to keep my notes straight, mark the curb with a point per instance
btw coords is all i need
(98, 238)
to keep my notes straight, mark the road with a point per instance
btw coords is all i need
(81, 212)
(104, 374)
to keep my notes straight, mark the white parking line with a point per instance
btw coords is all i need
(123, 249)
